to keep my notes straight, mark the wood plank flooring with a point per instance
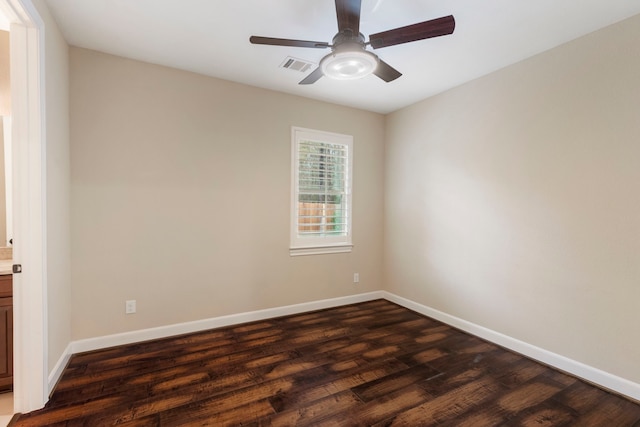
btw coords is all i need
(369, 364)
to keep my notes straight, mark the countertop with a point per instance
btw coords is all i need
(6, 266)
(6, 260)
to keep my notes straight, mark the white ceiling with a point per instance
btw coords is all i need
(211, 37)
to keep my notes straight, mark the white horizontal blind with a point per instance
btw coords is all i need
(321, 202)
(322, 189)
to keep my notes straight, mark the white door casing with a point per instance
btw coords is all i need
(28, 130)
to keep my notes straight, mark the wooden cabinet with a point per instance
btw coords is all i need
(6, 332)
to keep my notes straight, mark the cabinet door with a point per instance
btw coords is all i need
(6, 343)
(6, 285)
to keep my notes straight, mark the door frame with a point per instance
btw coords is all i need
(29, 191)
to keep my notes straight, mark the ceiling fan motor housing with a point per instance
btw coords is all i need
(347, 36)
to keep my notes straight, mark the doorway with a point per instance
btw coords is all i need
(29, 287)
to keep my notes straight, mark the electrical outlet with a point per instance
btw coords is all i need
(130, 306)
(356, 277)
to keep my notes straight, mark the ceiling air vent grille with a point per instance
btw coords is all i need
(296, 64)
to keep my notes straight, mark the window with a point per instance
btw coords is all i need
(321, 192)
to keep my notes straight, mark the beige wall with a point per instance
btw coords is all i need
(58, 272)
(5, 110)
(513, 201)
(3, 195)
(5, 82)
(180, 197)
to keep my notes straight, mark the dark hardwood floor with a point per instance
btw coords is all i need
(369, 364)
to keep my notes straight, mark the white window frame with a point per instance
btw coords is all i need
(303, 245)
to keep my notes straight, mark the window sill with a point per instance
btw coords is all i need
(320, 250)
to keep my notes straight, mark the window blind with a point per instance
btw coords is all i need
(322, 189)
(321, 198)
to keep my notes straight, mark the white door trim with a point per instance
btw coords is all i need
(29, 249)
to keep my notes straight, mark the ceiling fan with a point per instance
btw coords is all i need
(349, 58)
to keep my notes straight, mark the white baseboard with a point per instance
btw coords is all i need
(215, 322)
(196, 326)
(58, 369)
(586, 372)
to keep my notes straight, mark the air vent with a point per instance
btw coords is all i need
(296, 64)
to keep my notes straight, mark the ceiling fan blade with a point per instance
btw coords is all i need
(287, 42)
(386, 72)
(410, 33)
(348, 13)
(313, 77)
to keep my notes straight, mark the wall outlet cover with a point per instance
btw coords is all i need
(130, 306)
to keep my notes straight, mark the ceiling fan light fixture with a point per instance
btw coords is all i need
(348, 64)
